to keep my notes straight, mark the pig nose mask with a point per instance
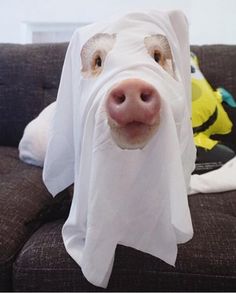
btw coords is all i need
(133, 110)
(133, 103)
(122, 134)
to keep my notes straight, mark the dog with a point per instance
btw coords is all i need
(120, 130)
(132, 106)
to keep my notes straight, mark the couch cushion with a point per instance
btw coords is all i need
(206, 263)
(24, 205)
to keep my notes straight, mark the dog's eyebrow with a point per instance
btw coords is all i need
(159, 41)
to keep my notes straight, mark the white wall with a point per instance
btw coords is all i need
(211, 21)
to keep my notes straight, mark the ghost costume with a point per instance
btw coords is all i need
(136, 198)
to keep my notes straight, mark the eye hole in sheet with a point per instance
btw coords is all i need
(159, 49)
(94, 52)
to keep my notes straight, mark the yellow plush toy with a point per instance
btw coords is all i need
(208, 115)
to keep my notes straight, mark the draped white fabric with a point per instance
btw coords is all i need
(136, 198)
(220, 180)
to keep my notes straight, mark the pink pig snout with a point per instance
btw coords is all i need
(133, 100)
(133, 109)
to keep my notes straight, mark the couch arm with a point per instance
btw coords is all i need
(25, 204)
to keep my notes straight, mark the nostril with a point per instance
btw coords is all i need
(146, 96)
(119, 99)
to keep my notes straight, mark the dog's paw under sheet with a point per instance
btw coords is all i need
(137, 198)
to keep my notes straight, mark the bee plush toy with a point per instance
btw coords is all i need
(209, 118)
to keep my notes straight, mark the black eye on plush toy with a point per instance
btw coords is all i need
(209, 118)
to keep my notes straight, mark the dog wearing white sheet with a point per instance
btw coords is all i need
(120, 130)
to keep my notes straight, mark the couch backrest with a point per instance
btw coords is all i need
(30, 75)
(218, 63)
(29, 79)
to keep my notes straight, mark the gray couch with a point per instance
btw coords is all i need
(32, 254)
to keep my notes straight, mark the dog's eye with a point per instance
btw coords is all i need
(97, 62)
(157, 56)
(94, 52)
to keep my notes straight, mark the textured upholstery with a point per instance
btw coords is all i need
(24, 205)
(31, 221)
(205, 263)
(29, 79)
(218, 63)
